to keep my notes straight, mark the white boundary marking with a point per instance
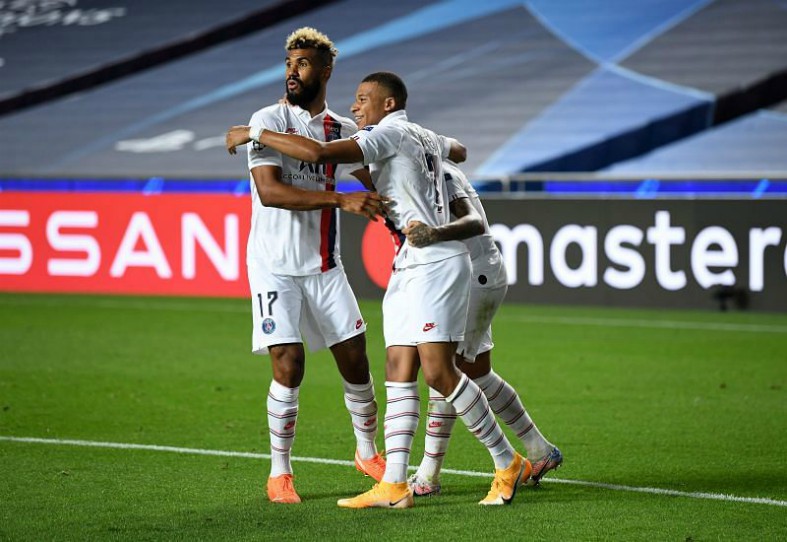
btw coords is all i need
(252, 455)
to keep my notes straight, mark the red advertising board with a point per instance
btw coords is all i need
(175, 244)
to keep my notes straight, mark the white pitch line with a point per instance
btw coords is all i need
(343, 463)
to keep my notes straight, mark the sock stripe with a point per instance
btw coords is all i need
(525, 431)
(399, 433)
(508, 404)
(362, 414)
(515, 418)
(493, 396)
(442, 416)
(273, 397)
(402, 415)
(481, 419)
(492, 427)
(284, 416)
(498, 441)
(358, 399)
(370, 429)
(392, 400)
(471, 405)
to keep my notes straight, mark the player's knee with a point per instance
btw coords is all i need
(288, 365)
(442, 381)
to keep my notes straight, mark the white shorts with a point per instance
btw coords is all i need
(427, 303)
(482, 308)
(320, 309)
(487, 291)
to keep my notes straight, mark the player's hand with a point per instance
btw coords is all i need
(237, 135)
(420, 235)
(368, 204)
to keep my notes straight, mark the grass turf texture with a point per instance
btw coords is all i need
(628, 402)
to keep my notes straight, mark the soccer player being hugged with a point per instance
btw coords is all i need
(425, 305)
(474, 354)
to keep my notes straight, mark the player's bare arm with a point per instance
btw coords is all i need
(341, 151)
(365, 177)
(467, 224)
(274, 193)
(457, 152)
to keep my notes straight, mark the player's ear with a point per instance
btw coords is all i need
(389, 104)
(326, 72)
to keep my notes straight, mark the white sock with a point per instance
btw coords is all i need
(359, 399)
(440, 423)
(505, 402)
(472, 407)
(282, 415)
(401, 421)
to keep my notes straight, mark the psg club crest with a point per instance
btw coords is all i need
(268, 326)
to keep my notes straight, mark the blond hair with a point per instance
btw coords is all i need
(311, 38)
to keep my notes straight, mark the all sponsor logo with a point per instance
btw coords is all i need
(333, 131)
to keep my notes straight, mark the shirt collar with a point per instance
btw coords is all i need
(305, 115)
(401, 114)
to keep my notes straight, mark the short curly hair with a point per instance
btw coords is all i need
(311, 38)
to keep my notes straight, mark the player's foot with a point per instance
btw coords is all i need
(507, 481)
(382, 495)
(281, 490)
(423, 487)
(374, 467)
(548, 462)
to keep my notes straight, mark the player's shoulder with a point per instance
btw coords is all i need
(269, 113)
(457, 178)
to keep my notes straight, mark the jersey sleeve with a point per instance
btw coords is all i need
(454, 186)
(378, 142)
(344, 171)
(445, 146)
(260, 155)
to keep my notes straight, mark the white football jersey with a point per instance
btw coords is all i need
(484, 254)
(405, 161)
(297, 243)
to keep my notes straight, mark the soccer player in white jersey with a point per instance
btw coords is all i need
(298, 285)
(425, 305)
(474, 355)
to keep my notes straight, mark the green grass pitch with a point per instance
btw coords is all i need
(692, 402)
